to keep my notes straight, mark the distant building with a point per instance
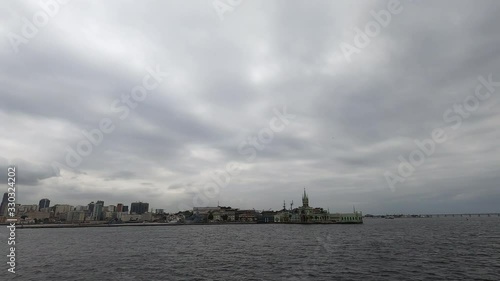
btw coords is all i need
(79, 208)
(229, 215)
(109, 215)
(98, 211)
(75, 216)
(159, 211)
(43, 204)
(246, 215)
(3, 206)
(179, 218)
(110, 208)
(26, 208)
(268, 216)
(129, 217)
(90, 209)
(38, 216)
(62, 209)
(119, 207)
(307, 214)
(147, 216)
(45, 210)
(224, 214)
(139, 208)
(205, 210)
(125, 209)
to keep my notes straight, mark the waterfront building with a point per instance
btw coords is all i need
(216, 213)
(98, 211)
(26, 208)
(3, 206)
(229, 215)
(90, 209)
(139, 208)
(246, 216)
(79, 208)
(37, 215)
(62, 209)
(119, 207)
(267, 216)
(159, 211)
(45, 210)
(308, 214)
(43, 203)
(226, 214)
(216, 216)
(205, 210)
(125, 209)
(206, 214)
(124, 217)
(120, 214)
(108, 215)
(283, 216)
(75, 216)
(148, 216)
(178, 218)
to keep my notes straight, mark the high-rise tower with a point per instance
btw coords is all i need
(5, 203)
(98, 208)
(139, 208)
(44, 203)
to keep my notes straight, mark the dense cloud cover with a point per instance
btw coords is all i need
(232, 71)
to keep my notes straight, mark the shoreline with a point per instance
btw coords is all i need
(35, 226)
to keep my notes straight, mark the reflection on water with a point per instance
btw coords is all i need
(399, 249)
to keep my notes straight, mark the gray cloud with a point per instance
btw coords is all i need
(352, 121)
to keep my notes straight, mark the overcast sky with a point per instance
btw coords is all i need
(229, 71)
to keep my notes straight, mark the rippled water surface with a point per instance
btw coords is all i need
(399, 249)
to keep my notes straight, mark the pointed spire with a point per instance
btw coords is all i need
(305, 200)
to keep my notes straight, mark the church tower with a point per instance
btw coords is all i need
(305, 199)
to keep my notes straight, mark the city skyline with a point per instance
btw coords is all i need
(89, 212)
(182, 104)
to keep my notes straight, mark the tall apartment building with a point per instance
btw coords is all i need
(3, 206)
(139, 208)
(98, 211)
(43, 204)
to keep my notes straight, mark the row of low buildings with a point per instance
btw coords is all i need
(308, 214)
(96, 212)
(302, 214)
(222, 214)
(64, 213)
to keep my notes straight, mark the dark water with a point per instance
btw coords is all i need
(399, 249)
